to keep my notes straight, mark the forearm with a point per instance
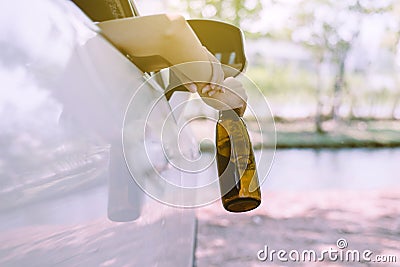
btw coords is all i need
(167, 36)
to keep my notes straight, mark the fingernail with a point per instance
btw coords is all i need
(205, 89)
(192, 88)
(211, 93)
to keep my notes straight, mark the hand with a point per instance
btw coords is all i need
(232, 96)
(217, 78)
(219, 93)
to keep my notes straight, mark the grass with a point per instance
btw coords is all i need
(302, 134)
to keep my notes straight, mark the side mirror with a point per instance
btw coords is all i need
(106, 10)
(225, 41)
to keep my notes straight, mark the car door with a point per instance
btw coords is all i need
(67, 197)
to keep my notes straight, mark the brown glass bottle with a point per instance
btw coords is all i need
(236, 164)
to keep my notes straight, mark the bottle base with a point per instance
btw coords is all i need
(242, 204)
(123, 215)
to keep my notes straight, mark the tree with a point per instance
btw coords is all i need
(328, 29)
(237, 12)
(394, 46)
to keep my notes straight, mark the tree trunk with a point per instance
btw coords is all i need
(338, 87)
(318, 89)
(395, 106)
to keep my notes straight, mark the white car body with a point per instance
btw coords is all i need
(63, 98)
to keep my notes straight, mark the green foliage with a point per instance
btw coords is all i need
(354, 134)
(275, 79)
(331, 30)
(233, 11)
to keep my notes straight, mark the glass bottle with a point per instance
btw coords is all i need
(236, 164)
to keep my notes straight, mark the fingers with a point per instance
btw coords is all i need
(206, 89)
(191, 87)
(214, 85)
(217, 76)
(234, 96)
(236, 87)
(211, 93)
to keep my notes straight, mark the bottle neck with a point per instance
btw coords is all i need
(233, 114)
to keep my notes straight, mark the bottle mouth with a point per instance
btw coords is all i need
(242, 204)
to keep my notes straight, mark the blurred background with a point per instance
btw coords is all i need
(330, 72)
(329, 69)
